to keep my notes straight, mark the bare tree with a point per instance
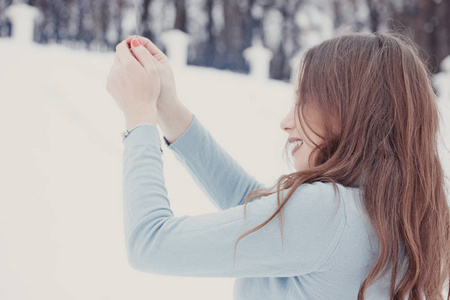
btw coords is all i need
(429, 21)
(180, 18)
(238, 32)
(145, 18)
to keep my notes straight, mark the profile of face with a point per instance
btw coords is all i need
(301, 145)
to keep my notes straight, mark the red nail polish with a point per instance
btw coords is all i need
(136, 43)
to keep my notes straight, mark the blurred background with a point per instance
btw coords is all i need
(220, 30)
(235, 64)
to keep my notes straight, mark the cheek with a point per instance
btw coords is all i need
(302, 157)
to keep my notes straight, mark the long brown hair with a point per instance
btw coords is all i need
(381, 129)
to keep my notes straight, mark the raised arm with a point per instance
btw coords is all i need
(220, 176)
(203, 246)
(217, 174)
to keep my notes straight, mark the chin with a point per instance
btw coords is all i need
(298, 169)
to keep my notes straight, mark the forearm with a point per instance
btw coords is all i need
(214, 170)
(139, 115)
(174, 119)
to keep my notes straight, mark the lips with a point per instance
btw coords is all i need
(295, 149)
(296, 143)
(292, 139)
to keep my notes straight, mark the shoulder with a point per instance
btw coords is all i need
(312, 205)
(319, 187)
(320, 197)
(318, 205)
(317, 211)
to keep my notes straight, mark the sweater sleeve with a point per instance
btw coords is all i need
(217, 174)
(203, 246)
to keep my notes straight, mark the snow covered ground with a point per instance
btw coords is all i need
(61, 231)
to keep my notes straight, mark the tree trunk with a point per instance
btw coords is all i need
(210, 49)
(237, 37)
(145, 21)
(180, 18)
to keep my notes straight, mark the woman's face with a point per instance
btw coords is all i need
(301, 146)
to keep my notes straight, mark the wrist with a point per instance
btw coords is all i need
(173, 119)
(168, 106)
(146, 115)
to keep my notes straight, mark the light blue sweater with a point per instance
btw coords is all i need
(326, 253)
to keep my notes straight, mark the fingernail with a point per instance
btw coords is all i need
(136, 43)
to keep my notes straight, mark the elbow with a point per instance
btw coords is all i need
(141, 247)
(141, 258)
(132, 257)
(132, 260)
(135, 259)
(137, 264)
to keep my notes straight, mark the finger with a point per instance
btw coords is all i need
(116, 59)
(123, 53)
(142, 55)
(155, 51)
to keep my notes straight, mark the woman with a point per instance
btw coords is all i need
(363, 217)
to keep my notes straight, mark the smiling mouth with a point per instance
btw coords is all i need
(296, 148)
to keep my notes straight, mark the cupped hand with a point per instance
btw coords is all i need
(133, 80)
(168, 93)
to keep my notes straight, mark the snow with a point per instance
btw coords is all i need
(176, 42)
(441, 81)
(273, 28)
(258, 58)
(315, 23)
(22, 17)
(129, 25)
(445, 64)
(61, 230)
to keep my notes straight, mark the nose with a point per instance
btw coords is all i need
(288, 122)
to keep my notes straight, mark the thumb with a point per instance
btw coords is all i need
(142, 55)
